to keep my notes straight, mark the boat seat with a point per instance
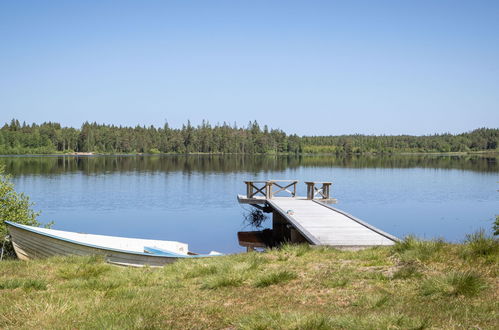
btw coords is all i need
(162, 252)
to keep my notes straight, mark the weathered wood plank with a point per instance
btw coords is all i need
(324, 225)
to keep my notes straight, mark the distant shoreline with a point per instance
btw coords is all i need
(99, 154)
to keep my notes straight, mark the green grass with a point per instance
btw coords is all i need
(480, 245)
(26, 284)
(407, 271)
(411, 249)
(82, 268)
(272, 278)
(454, 284)
(320, 321)
(222, 281)
(413, 285)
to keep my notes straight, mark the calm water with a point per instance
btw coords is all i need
(193, 198)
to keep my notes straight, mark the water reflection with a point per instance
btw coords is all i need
(236, 163)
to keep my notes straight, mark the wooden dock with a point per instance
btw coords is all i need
(311, 218)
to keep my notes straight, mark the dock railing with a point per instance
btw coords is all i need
(269, 188)
(320, 189)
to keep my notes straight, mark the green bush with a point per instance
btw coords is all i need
(496, 226)
(15, 207)
(154, 151)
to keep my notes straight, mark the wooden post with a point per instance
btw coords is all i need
(249, 189)
(310, 190)
(325, 189)
(268, 190)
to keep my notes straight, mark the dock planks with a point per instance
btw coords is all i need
(322, 224)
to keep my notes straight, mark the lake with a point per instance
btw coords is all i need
(192, 198)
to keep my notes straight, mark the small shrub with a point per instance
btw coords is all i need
(454, 284)
(495, 227)
(274, 278)
(15, 207)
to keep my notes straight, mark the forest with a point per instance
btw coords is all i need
(52, 138)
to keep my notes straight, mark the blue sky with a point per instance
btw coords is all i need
(307, 67)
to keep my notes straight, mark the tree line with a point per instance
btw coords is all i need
(49, 137)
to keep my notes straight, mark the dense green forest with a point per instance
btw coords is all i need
(47, 138)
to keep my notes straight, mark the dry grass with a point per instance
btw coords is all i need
(413, 285)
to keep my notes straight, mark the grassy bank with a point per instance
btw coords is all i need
(412, 285)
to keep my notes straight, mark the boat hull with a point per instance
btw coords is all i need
(33, 245)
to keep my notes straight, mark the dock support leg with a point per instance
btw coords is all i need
(296, 237)
(279, 228)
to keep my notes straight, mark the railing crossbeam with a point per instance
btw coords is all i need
(322, 191)
(253, 190)
(314, 189)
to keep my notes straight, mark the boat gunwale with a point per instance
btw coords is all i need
(28, 228)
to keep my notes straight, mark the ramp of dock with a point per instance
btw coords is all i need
(321, 224)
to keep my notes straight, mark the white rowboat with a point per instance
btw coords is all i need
(34, 242)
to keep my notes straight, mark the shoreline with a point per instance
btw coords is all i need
(97, 154)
